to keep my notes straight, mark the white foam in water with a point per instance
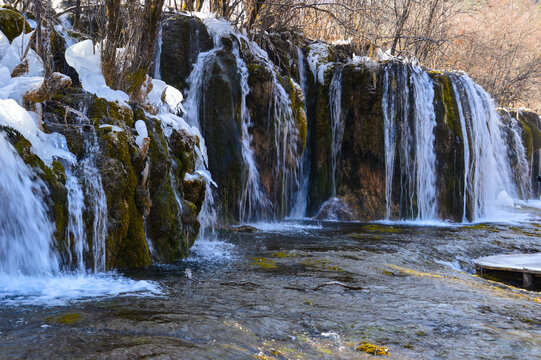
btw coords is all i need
(420, 223)
(62, 289)
(214, 250)
(285, 226)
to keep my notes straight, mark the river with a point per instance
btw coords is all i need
(305, 290)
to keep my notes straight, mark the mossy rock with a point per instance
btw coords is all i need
(183, 39)
(101, 111)
(360, 169)
(126, 240)
(12, 24)
(164, 224)
(449, 149)
(219, 116)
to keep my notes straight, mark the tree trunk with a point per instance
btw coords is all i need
(112, 40)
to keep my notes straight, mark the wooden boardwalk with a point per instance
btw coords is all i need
(524, 269)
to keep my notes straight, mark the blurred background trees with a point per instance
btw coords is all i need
(498, 42)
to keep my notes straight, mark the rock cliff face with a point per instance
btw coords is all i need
(342, 98)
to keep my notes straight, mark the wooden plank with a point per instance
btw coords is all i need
(523, 263)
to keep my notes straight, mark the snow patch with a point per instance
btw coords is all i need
(85, 58)
(46, 146)
(113, 128)
(14, 55)
(142, 132)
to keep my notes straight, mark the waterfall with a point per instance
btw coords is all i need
(253, 202)
(96, 202)
(285, 140)
(158, 56)
(337, 123)
(76, 226)
(389, 108)
(487, 166)
(25, 231)
(520, 166)
(196, 81)
(408, 111)
(253, 199)
(300, 202)
(466, 141)
(425, 156)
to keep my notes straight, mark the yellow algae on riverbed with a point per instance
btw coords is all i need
(66, 319)
(381, 229)
(263, 263)
(373, 349)
(407, 271)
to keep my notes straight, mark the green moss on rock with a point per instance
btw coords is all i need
(12, 24)
(102, 111)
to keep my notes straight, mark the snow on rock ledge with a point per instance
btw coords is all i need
(86, 60)
(46, 146)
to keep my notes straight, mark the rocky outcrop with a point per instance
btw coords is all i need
(13, 24)
(145, 221)
(219, 97)
(183, 39)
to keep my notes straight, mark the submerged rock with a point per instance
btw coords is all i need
(334, 209)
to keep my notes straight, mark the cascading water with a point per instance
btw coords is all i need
(286, 136)
(96, 203)
(253, 202)
(86, 195)
(337, 123)
(300, 203)
(196, 80)
(410, 113)
(466, 141)
(487, 167)
(390, 112)
(520, 166)
(76, 227)
(425, 156)
(25, 230)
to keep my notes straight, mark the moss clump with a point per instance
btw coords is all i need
(382, 229)
(486, 227)
(66, 319)
(280, 254)
(373, 349)
(263, 263)
(102, 111)
(12, 24)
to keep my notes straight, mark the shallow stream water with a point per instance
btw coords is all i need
(270, 295)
